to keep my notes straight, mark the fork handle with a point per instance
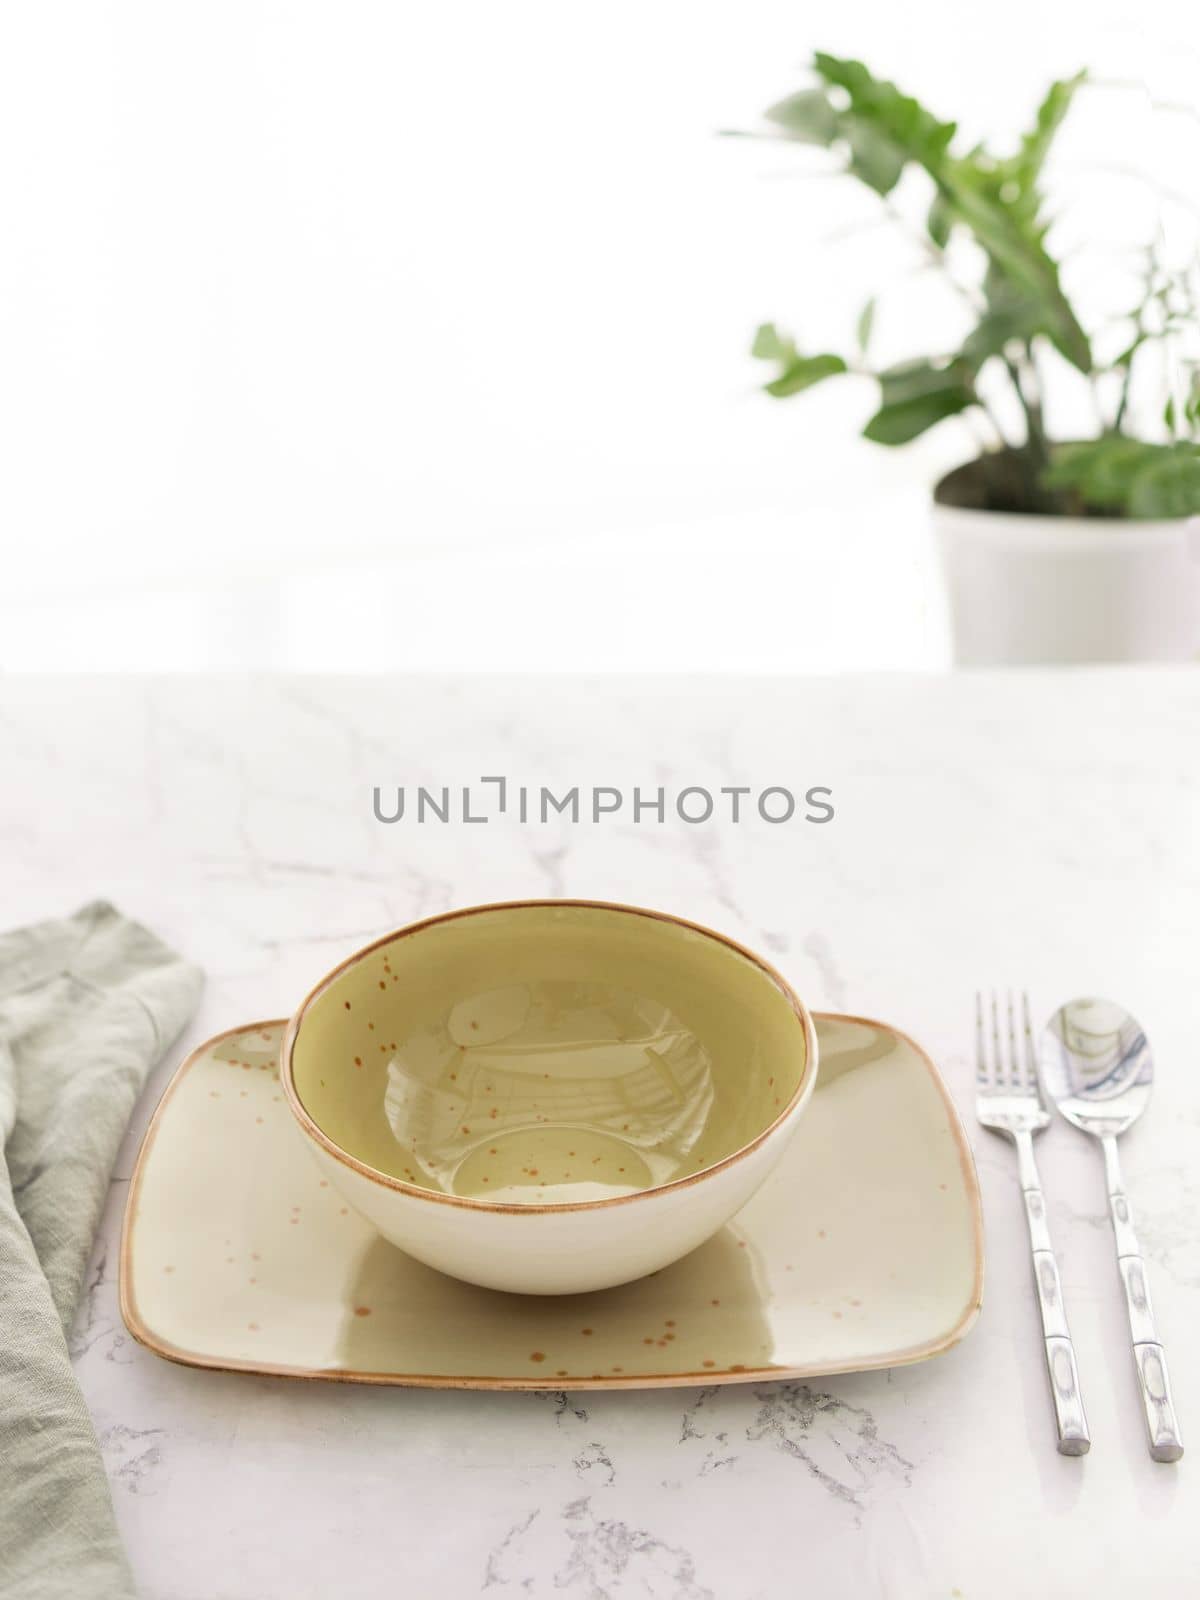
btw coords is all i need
(1149, 1357)
(1061, 1368)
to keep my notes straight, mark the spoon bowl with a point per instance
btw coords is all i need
(1096, 1066)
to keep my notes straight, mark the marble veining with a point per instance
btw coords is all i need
(1032, 829)
(838, 1444)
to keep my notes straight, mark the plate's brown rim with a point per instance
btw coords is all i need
(387, 1180)
(897, 1358)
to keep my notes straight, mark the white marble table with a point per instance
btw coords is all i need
(1032, 829)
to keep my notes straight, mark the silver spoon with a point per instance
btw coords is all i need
(1098, 1070)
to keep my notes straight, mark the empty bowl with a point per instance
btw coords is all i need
(549, 1097)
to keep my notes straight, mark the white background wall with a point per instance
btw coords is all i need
(377, 335)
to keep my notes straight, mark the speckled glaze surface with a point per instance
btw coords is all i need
(550, 1097)
(863, 1249)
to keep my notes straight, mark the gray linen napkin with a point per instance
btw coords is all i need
(87, 1006)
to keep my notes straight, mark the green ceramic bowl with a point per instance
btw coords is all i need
(551, 1095)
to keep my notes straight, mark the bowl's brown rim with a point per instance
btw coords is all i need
(567, 1207)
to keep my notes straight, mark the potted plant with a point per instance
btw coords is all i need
(1054, 550)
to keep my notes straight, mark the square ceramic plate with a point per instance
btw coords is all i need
(863, 1249)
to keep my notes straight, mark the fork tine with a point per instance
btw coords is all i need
(981, 1063)
(997, 1057)
(1015, 1074)
(1031, 1067)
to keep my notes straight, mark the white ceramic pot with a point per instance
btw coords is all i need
(1027, 589)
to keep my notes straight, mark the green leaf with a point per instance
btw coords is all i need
(1130, 476)
(1169, 486)
(911, 380)
(1026, 166)
(803, 373)
(939, 221)
(865, 325)
(796, 372)
(915, 133)
(1016, 253)
(996, 200)
(806, 117)
(874, 158)
(915, 396)
(1100, 471)
(993, 335)
(899, 424)
(1010, 318)
(771, 345)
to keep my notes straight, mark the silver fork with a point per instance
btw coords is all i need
(1008, 1100)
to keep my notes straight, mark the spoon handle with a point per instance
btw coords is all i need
(1149, 1357)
